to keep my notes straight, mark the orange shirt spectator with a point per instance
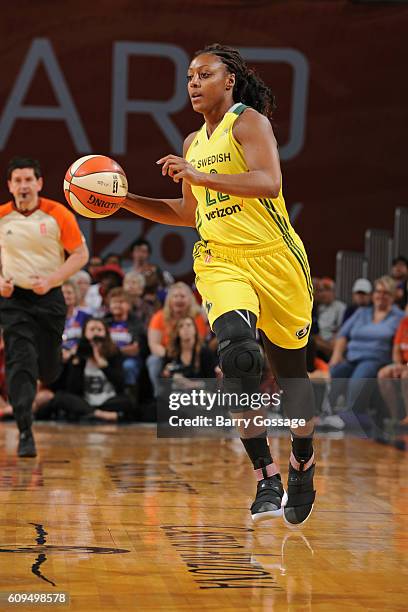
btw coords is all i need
(401, 339)
(157, 322)
(180, 303)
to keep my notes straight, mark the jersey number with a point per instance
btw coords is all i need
(221, 197)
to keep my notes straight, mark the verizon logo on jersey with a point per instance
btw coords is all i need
(223, 212)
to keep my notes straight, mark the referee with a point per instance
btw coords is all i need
(34, 234)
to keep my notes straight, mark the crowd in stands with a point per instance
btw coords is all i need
(367, 340)
(129, 325)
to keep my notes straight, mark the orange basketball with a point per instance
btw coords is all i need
(95, 186)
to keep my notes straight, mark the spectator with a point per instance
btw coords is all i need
(74, 320)
(390, 375)
(108, 277)
(180, 302)
(141, 252)
(363, 344)
(362, 292)
(155, 292)
(399, 272)
(82, 280)
(112, 258)
(186, 356)
(95, 262)
(127, 333)
(95, 380)
(94, 297)
(330, 314)
(134, 285)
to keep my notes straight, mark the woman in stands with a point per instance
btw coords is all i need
(363, 344)
(180, 302)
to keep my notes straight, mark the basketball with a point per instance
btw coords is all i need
(95, 186)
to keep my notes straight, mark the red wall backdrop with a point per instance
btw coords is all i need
(350, 172)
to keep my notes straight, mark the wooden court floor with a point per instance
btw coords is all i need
(119, 520)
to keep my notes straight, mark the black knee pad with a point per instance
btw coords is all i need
(240, 355)
(240, 358)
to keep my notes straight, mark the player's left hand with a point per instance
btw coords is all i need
(41, 285)
(178, 168)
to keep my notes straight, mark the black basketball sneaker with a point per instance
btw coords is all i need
(270, 499)
(301, 493)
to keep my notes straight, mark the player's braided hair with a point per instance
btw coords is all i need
(249, 87)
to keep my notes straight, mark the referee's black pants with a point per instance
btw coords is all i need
(32, 326)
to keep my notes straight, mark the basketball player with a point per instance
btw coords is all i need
(34, 233)
(251, 266)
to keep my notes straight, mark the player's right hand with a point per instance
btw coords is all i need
(6, 287)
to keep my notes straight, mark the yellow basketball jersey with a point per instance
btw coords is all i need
(227, 219)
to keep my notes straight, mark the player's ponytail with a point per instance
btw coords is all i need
(249, 88)
(253, 92)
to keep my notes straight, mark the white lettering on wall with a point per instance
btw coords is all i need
(159, 110)
(41, 51)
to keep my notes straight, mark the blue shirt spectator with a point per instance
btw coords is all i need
(127, 332)
(369, 340)
(364, 345)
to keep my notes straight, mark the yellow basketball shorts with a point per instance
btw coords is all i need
(273, 282)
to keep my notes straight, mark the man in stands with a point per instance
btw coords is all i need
(330, 313)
